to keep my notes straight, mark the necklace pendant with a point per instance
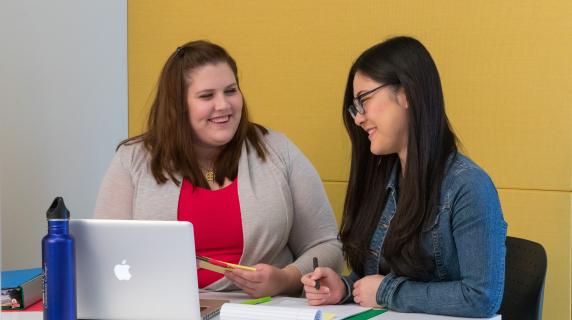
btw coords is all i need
(210, 175)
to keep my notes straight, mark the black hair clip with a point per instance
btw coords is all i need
(180, 51)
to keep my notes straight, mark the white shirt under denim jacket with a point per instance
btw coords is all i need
(466, 242)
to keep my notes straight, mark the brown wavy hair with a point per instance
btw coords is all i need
(168, 138)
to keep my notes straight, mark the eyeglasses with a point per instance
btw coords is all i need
(357, 106)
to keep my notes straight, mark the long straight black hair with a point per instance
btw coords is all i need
(401, 62)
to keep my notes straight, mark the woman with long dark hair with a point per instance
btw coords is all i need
(252, 196)
(422, 226)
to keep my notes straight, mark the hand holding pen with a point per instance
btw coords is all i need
(323, 286)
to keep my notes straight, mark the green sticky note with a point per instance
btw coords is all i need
(257, 301)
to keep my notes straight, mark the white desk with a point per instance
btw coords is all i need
(389, 315)
(237, 297)
(32, 315)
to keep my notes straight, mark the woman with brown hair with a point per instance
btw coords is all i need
(252, 196)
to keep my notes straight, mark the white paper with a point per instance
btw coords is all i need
(340, 311)
(236, 311)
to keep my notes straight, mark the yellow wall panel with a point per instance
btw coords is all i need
(505, 68)
(506, 74)
(544, 217)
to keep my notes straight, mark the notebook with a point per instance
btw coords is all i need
(133, 269)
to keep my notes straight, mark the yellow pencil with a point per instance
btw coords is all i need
(223, 264)
(238, 266)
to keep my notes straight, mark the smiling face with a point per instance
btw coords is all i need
(214, 104)
(386, 118)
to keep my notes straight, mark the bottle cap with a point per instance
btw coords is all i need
(58, 210)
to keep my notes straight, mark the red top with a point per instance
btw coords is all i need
(217, 222)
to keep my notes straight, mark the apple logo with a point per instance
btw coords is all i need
(122, 271)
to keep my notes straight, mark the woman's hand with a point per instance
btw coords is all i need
(267, 280)
(332, 288)
(365, 290)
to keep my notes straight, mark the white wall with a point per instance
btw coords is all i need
(63, 109)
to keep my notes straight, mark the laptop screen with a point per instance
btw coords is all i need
(133, 269)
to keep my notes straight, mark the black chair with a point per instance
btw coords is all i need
(524, 280)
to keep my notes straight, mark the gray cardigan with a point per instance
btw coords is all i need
(286, 216)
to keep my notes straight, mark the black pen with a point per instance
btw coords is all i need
(315, 266)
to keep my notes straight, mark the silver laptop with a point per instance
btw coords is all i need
(132, 269)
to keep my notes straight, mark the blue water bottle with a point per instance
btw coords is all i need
(58, 262)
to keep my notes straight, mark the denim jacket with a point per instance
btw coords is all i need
(466, 241)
